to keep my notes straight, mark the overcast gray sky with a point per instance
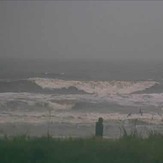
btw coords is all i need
(100, 30)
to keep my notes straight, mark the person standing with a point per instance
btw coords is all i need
(99, 128)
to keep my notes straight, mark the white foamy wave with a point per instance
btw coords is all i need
(61, 102)
(96, 87)
(37, 108)
(33, 102)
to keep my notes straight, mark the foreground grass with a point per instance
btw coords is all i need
(128, 149)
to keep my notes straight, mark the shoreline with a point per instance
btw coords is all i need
(111, 129)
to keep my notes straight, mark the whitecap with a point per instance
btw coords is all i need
(101, 88)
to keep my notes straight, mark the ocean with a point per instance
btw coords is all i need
(64, 98)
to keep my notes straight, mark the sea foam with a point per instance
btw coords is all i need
(96, 87)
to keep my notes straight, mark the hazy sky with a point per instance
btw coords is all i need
(100, 30)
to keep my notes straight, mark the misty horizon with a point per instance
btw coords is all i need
(102, 30)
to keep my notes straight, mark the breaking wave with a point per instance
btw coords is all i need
(95, 87)
(19, 86)
(62, 108)
(30, 86)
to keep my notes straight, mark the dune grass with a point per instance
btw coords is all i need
(128, 149)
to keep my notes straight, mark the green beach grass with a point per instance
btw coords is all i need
(128, 149)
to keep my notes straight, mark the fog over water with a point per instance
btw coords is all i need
(65, 64)
(67, 97)
(124, 30)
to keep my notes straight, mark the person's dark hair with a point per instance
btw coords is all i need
(100, 119)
